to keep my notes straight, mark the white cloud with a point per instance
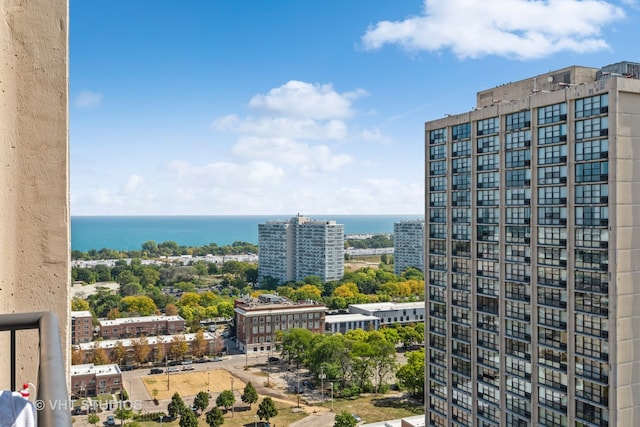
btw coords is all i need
(374, 135)
(282, 127)
(87, 99)
(312, 101)
(522, 29)
(133, 183)
(306, 159)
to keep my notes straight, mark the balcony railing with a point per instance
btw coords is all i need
(52, 395)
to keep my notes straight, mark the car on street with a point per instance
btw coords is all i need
(156, 371)
(217, 359)
(188, 368)
(172, 369)
(174, 363)
(111, 421)
(187, 362)
(273, 359)
(127, 368)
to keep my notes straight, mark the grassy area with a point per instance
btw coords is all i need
(370, 408)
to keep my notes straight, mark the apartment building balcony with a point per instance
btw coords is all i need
(52, 397)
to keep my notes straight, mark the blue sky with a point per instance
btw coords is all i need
(286, 106)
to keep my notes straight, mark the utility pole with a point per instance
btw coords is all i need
(332, 397)
(233, 404)
(321, 385)
(166, 368)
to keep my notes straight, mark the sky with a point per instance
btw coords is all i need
(261, 107)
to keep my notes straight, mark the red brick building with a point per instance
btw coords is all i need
(81, 327)
(258, 319)
(132, 327)
(90, 380)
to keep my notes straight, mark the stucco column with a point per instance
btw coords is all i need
(34, 172)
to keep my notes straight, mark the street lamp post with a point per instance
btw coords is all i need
(233, 403)
(322, 385)
(331, 397)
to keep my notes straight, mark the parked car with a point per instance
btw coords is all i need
(273, 359)
(127, 368)
(172, 369)
(174, 363)
(201, 360)
(111, 420)
(187, 362)
(156, 371)
(217, 359)
(188, 368)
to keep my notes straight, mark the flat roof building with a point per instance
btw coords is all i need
(300, 247)
(128, 327)
(408, 243)
(258, 319)
(81, 326)
(391, 313)
(90, 380)
(533, 235)
(341, 323)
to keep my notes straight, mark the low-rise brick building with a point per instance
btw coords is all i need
(91, 380)
(81, 327)
(132, 327)
(258, 319)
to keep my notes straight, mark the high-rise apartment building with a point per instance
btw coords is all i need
(300, 247)
(408, 245)
(533, 236)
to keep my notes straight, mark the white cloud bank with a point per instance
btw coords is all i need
(88, 99)
(521, 29)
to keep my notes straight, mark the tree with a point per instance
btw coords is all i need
(411, 375)
(176, 406)
(178, 347)
(199, 345)
(139, 304)
(77, 356)
(123, 413)
(214, 417)
(267, 409)
(345, 419)
(201, 400)
(118, 353)
(78, 304)
(226, 399)
(250, 395)
(188, 419)
(171, 309)
(295, 344)
(141, 350)
(93, 419)
(99, 356)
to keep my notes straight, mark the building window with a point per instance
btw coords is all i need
(461, 165)
(517, 234)
(461, 215)
(518, 177)
(592, 237)
(438, 168)
(552, 338)
(552, 216)
(552, 154)
(518, 253)
(519, 120)
(592, 128)
(487, 251)
(552, 114)
(438, 199)
(592, 303)
(592, 215)
(438, 183)
(552, 175)
(549, 276)
(593, 194)
(552, 317)
(438, 215)
(518, 196)
(552, 195)
(592, 106)
(461, 198)
(592, 172)
(461, 148)
(592, 347)
(488, 180)
(487, 126)
(461, 249)
(488, 215)
(592, 150)
(488, 162)
(592, 325)
(518, 158)
(552, 134)
(552, 297)
(438, 136)
(437, 152)
(488, 144)
(519, 215)
(462, 131)
(552, 256)
(461, 181)
(552, 358)
(518, 310)
(488, 197)
(519, 386)
(438, 247)
(519, 139)
(592, 260)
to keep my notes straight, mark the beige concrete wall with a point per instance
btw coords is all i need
(34, 171)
